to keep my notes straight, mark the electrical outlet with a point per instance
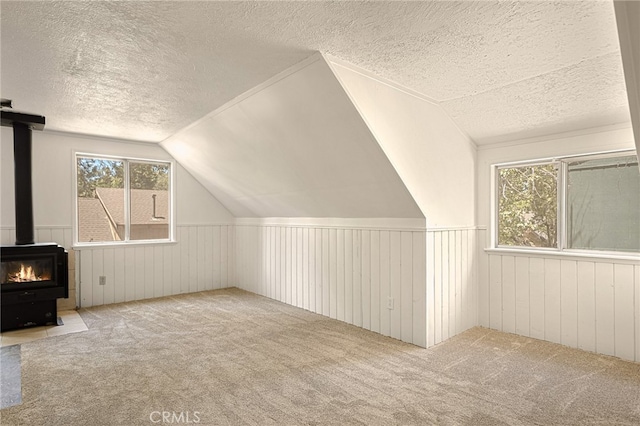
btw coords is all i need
(390, 303)
(102, 280)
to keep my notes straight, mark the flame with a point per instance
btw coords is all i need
(26, 273)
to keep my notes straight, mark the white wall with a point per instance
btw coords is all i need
(53, 168)
(201, 258)
(592, 303)
(294, 146)
(434, 158)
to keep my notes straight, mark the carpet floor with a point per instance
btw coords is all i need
(229, 357)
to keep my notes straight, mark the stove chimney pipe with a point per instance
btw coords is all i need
(22, 125)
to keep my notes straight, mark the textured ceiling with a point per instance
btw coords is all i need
(143, 70)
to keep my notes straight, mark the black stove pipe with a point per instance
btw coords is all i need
(22, 125)
(23, 185)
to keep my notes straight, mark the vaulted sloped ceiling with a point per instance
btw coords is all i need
(433, 156)
(294, 146)
(142, 70)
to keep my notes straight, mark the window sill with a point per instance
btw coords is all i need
(93, 246)
(567, 255)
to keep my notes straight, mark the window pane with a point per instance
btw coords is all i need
(100, 200)
(527, 206)
(149, 200)
(603, 204)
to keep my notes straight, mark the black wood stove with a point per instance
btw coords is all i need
(32, 275)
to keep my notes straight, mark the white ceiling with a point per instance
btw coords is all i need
(144, 70)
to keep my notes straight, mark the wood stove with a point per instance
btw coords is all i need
(32, 276)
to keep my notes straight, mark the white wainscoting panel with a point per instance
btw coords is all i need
(452, 293)
(370, 278)
(202, 259)
(414, 285)
(590, 304)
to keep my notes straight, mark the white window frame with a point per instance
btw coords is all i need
(562, 217)
(126, 242)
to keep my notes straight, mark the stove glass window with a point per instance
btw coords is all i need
(27, 270)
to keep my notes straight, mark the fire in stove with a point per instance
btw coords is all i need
(26, 271)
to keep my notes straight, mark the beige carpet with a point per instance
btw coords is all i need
(229, 357)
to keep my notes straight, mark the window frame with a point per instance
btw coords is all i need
(562, 211)
(127, 201)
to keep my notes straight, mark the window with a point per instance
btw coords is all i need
(122, 200)
(575, 203)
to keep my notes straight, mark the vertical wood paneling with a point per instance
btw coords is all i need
(624, 311)
(348, 276)
(312, 270)
(495, 292)
(431, 283)
(455, 291)
(167, 269)
(305, 268)
(140, 272)
(591, 305)
(183, 235)
(224, 256)
(366, 279)
(119, 275)
(466, 281)
(568, 303)
(273, 263)
(299, 268)
(473, 263)
(212, 255)
(418, 289)
(552, 302)
(175, 269)
(536, 297)
(636, 310)
(287, 265)
(484, 310)
(283, 264)
(318, 264)
(437, 285)
(139, 269)
(406, 286)
(158, 271)
(205, 258)
(586, 306)
(97, 269)
(508, 294)
(86, 278)
(522, 296)
(193, 259)
(333, 274)
(357, 279)
(130, 274)
(385, 313)
(375, 281)
(149, 272)
(109, 271)
(446, 287)
(340, 258)
(395, 284)
(325, 273)
(450, 282)
(605, 331)
(277, 262)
